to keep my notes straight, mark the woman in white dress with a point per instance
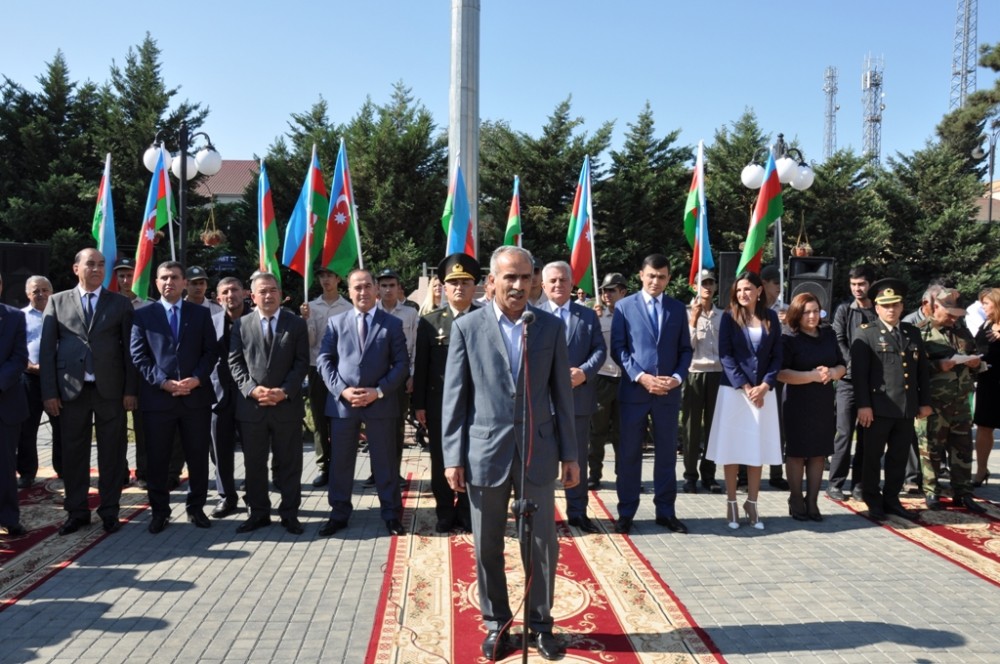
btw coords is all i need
(745, 427)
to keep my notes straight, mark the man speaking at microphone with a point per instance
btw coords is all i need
(485, 454)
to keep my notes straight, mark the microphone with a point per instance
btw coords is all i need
(528, 317)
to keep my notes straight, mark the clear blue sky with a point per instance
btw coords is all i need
(698, 63)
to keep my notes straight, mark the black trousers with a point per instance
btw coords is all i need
(450, 505)
(27, 444)
(282, 440)
(223, 450)
(697, 409)
(891, 436)
(321, 422)
(79, 420)
(194, 428)
(841, 463)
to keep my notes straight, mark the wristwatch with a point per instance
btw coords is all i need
(378, 391)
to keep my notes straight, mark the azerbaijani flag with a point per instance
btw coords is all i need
(456, 220)
(769, 207)
(267, 228)
(308, 222)
(104, 227)
(580, 236)
(696, 220)
(157, 216)
(342, 242)
(512, 236)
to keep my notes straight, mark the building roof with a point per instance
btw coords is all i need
(231, 180)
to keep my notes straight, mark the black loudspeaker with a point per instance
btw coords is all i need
(728, 262)
(812, 274)
(17, 263)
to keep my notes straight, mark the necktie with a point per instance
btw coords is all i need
(897, 336)
(175, 323)
(364, 329)
(654, 317)
(268, 335)
(88, 311)
(564, 314)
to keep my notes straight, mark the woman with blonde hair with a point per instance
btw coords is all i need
(987, 414)
(432, 300)
(745, 427)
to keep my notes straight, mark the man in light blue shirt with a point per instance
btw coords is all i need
(38, 289)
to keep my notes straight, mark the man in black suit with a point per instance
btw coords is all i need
(88, 379)
(224, 422)
(891, 387)
(268, 359)
(174, 348)
(13, 411)
(458, 273)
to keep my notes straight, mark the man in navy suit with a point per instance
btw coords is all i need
(587, 351)
(174, 348)
(651, 343)
(364, 364)
(13, 410)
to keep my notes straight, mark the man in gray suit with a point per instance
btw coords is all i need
(587, 351)
(87, 378)
(269, 359)
(484, 446)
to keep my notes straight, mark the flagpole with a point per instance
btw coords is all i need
(702, 213)
(517, 195)
(307, 259)
(105, 185)
(170, 220)
(593, 232)
(354, 207)
(261, 262)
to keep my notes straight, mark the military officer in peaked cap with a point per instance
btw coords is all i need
(459, 274)
(891, 387)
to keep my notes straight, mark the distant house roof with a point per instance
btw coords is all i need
(231, 180)
(983, 202)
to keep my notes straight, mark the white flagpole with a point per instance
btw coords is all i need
(307, 269)
(354, 207)
(593, 232)
(170, 218)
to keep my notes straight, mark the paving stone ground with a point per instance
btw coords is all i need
(844, 590)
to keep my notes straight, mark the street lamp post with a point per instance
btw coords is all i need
(184, 166)
(979, 154)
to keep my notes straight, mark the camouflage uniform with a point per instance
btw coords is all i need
(949, 426)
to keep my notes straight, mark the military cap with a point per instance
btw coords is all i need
(320, 269)
(387, 273)
(458, 266)
(613, 280)
(124, 264)
(948, 298)
(887, 291)
(770, 273)
(195, 273)
(707, 275)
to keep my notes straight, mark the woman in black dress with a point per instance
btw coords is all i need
(987, 415)
(811, 361)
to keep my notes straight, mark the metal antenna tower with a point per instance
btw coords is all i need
(872, 102)
(963, 59)
(830, 118)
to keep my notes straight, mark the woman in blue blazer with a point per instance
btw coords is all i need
(745, 427)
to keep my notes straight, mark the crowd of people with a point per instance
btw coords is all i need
(516, 391)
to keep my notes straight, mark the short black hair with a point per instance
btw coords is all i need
(656, 261)
(864, 271)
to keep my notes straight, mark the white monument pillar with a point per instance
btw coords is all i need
(463, 101)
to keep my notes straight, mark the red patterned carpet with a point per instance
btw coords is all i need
(611, 606)
(28, 560)
(969, 540)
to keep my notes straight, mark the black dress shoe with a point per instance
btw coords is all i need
(584, 523)
(444, 525)
(369, 483)
(548, 646)
(672, 523)
(624, 525)
(224, 509)
(900, 511)
(858, 493)
(292, 525)
(73, 524)
(969, 502)
(497, 645)
(594, 484)
(779, 483)
(712, 486)
(25, 482)
(835, 493)
(157, 524)
(198, 518)
(934, 503)
(690, 487)
(322, 479)
(253, 523)
(174, 483)
(395, 527)
(141, 483)
(331, 527)
(111, 524)
(16, 530)
(876, 512)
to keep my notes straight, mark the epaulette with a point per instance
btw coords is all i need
(922, 324)
(865, 326)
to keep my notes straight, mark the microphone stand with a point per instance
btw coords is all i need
(524, 509)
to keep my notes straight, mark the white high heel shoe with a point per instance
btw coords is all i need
(732, 514)
(750, 507)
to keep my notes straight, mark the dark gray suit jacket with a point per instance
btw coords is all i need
(66, 338)
(482, 410)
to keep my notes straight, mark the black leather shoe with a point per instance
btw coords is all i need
(835, 493)
(584, 523)
(934, 503)
(322, 479)
(712, 486)
(223, 509)
(900, 511)
(548, 646)
(73, 524)
(253, 523)
(25, 482)
(594, 484)
(672, 523)
(444, 525)
(141, 483)
(969, 502)
(624, 525)
(198, 518)
(395, 527)
(690, 487)
(174, 483)
(779, 483)
(876, 512)
(16, 530)
(157, 524)
(858, 493)
(111, 524)
(369, 483)
(331, 527)
(497, 645)
(292, 525)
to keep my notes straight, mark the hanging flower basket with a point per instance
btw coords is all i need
(802, 247)
(157, 237)
(213, 237)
